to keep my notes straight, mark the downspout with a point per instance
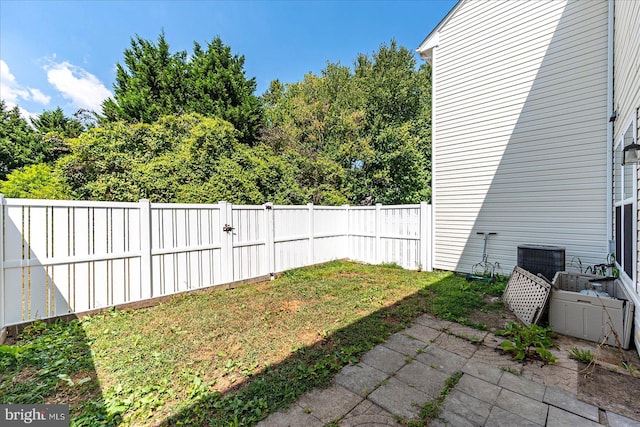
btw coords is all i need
(434, 248)
(611, 109)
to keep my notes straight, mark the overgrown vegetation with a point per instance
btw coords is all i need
(188, 127)
(220, 357)
(528, 342)
(454, 302)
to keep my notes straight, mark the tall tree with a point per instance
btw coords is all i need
(218, 86)
(153, 82)
(53, 129)
(55, 121)
(18, 143)
(373, 121)
(397, 121)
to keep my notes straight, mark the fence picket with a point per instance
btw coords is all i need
(146, 266)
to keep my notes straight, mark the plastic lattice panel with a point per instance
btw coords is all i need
(526, 295)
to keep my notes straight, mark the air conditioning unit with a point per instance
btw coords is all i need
(542, 259)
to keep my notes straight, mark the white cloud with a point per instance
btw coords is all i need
(11, 91)
(38, 96)
(76, 84)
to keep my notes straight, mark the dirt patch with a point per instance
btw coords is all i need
(495, 318)
(308, 337)
(84, 388)
(292, 306)
(351, 274)
(25, 375)
(612, 391)
(392, 321)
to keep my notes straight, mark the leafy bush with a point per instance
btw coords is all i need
(528, 342)
(184, 159)
(34, 182)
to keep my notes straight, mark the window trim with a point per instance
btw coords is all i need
(632, 200)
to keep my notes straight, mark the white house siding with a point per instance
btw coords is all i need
(626, 92)
(520, 130)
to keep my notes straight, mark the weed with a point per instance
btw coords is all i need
(475, 340)
(431, 410)
(581, 355)
(510, 370)
(607, 268)
(528, 342)
(629, 367)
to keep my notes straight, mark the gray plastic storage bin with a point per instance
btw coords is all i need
(590, 317)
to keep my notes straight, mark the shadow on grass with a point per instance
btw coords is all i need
(277, 386)
(55, 365)
(51, 363)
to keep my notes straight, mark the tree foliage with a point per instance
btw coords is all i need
(187, 128)
(55, 121)
(53, 128)
(18, 143)
(154, 82)
(188, 158)
(363, 132)
(34, 182)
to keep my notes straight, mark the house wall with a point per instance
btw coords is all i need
(626, 92)
(520, 131)
(627, 62)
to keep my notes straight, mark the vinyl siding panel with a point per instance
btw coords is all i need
(520, 118)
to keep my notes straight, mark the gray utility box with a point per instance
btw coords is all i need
(590, 317)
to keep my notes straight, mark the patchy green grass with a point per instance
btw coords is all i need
(224, 357)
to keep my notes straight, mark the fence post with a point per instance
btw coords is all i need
(425, 236)
(270, 239)
(379, 254)
(2, 306)
(226, 241)
(311, 226)
(347, 230)
(146, 266)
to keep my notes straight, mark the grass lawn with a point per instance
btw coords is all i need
(225, 357)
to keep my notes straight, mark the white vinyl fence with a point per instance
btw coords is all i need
(61, 257)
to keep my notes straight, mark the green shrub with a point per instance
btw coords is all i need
(528, 342)
(33, 182)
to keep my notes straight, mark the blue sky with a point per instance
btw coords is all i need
(63, 53)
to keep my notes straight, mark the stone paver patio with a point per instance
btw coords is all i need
(395, 379)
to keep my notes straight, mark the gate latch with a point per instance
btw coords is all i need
(227, 228)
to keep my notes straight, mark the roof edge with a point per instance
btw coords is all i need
(431, 41)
